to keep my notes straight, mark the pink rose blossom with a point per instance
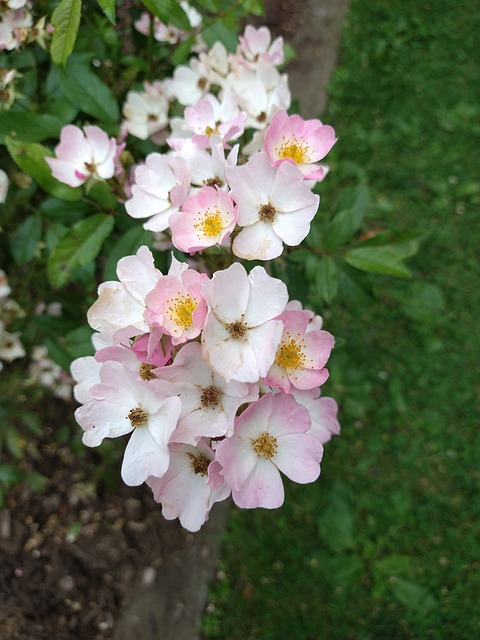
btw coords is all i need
(260, 92)
(205, 220)
(275, 206)
(161, 187)
(83, 154)
(241, 332)
(208, 117)
(301, 355)
(269, 437)
(191, 485)
(118, 311)
(176, 305)
(301, 142)
(144, 114)
(122, 404)
(209, 403)
(256, 44)
(207, 166)
(323, 413)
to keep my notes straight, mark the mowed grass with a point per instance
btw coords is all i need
(386, 544)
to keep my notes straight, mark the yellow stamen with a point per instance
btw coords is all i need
(294, 149)
(290, 353)
(265, 445)
(209, 131)
(181, 310)
(210, 225)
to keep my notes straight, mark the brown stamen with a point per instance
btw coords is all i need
(267, 212)
(237, 329)
(210, 397)
(138, 417)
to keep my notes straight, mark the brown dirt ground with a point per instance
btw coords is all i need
(81, 563)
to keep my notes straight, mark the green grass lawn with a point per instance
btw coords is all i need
(386, 544)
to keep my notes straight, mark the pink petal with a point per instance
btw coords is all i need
(267, 299)
(263, 487)
(257, 242)
(143, 457)
(298, 457)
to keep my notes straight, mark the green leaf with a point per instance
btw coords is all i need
(87, 92)
(58, 353)
(35, 481)
(101, 193)
(108, 8)
(348, 221)
(383, 259)
(62, 109)
(219, 32)
(182, 51)
(336, 522)
(392, 565)
(205, 5)
(9, 474)
(169, 12)
(55, 231)
(127, 245)
(79, 247)
(424, 303)
(326, 280)
(353, 285)
(25, 239)
(413, 595)
(30, 157)
(59, 210)
(65, 20)
(254, 6)
(29, 127)
(79, 342)
(14, 443)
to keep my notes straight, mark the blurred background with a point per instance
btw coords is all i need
(386, 544)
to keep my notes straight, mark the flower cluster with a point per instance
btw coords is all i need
(17, 27)
(196, 190)
(11, 346)
(46, 373)
(168, 32)
(217, 380)
(216, 376)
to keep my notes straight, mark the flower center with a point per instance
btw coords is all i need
(213, 182)
(210, 225)
(237, 329)
(294, 149)
(181, 310)
(145, 371)
(210, 131)
(267, 212)
(199, 464)
(138, 417)
(290, 354)
(90, 167)
(210, 397)
(152, 117)
(265, 445)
